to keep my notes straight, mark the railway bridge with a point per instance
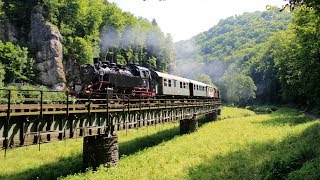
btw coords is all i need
(34, 117)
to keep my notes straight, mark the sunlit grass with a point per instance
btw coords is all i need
(233, 112)
(65, 157)
(242, 145)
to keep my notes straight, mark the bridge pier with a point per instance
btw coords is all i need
(100, 149)
(211, 117)
(188, 125)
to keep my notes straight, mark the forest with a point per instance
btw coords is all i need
(269, 57)
(89, 29)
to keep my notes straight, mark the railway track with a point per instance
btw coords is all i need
(130, 105)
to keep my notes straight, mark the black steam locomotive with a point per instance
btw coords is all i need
(108, 78)
(105, 77)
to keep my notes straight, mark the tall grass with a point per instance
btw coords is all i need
(65, 157)
(283, 144)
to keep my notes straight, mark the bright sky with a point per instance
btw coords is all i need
(186, 18)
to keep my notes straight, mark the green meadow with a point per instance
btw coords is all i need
(283, 144)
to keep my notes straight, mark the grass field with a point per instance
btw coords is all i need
(283, 144)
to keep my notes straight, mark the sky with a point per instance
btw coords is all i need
(184, 19)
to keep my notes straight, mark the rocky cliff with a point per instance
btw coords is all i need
(8, 32)
(47, 42)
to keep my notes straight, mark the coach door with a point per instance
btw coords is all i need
(191, 88)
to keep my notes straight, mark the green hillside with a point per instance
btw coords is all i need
(261, 57)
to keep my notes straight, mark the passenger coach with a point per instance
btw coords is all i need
(170, 85)
(175, 86)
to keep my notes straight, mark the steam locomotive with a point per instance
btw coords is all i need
(137, 81)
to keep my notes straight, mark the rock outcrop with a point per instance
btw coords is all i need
(8, 32)
(46, 39)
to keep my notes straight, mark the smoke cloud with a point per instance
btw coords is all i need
(189, 64)
(129, 37)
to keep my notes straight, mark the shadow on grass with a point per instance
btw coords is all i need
(203, 120)
(286, 117)
(73, 163)
(138, 144)
(297, 157)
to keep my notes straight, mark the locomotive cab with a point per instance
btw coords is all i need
(147, 85)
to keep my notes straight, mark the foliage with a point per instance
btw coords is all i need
(309, 3)
(17, 65)
(205, 79)
(238, 88)
(31, 94)
(282, 57)
(93, 29)
(80, 50)
(296, 55)
(1, 11)
(99, 28)
(236, 45)
(18, 12)
(2, 73)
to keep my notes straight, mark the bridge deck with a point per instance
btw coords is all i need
(38, 120)
(37, 109)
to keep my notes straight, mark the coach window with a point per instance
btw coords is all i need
(181, 85)
(169, 83)
(165, 82)
(197, 87)
(194, 87)
(184, 85)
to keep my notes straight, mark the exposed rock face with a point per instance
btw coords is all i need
(8, 32)
(46, 40)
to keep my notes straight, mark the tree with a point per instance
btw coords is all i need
(237, 88)
(297, 59)
(1, 11)
(2, 73)
(309, 3)
(205, 79)
(80, 50)
(16, 63)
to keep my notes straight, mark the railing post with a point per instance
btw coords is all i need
(41, 117)
(68, 118)
(139, 123)
(67, 112)
(128, 114)
(89, 112)
(108, 123)
(6, 140)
